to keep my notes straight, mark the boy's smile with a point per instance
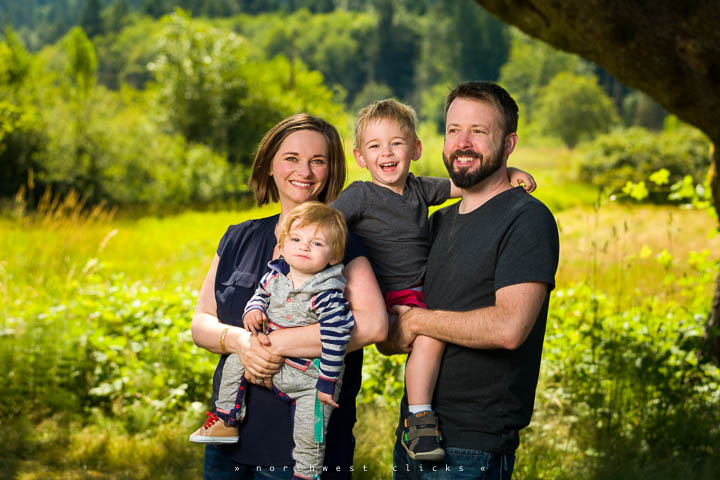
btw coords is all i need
(386, 150)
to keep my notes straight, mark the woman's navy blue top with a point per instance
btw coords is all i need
(266, 432)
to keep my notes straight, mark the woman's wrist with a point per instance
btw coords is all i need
(236, 339)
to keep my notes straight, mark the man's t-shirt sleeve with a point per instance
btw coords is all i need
(529, 252)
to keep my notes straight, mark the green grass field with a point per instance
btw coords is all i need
(71, 286)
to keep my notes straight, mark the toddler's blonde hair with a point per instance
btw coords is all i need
(315, 213)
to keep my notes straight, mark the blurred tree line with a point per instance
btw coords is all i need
(135, 102)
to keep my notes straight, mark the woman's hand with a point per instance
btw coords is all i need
(260, 365)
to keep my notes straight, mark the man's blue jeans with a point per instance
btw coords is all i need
(459, 464)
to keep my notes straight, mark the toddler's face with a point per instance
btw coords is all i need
(386, 149)
(307, 249)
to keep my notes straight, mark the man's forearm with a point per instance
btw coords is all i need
(503, 325)
(478, 328)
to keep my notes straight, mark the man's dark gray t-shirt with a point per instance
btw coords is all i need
(394, 228)
(483, 397)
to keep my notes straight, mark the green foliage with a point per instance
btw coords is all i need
(82, 62)
(370, 93)
(22, 130)
(394, 48)
(14, 61)
(627, 377)
(573, 107)
(383, 378)
(459, 43)
(210, 89)
(113, 346)
(337, 44)
(123, 56)
(624, 158)
(531, 66)
(640, 110)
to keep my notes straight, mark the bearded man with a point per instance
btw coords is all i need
(490, 271)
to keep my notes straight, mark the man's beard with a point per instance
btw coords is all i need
(468, 177)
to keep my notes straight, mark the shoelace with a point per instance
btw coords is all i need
(212, 418)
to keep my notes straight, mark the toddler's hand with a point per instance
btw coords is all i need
(253, 321)
(327, 399)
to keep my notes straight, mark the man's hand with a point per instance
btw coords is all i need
(253, 321)
(327, 399)
(400, 335)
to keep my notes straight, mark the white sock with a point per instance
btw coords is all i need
(415, 409)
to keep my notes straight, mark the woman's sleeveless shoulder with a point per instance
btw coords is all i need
(236, 234)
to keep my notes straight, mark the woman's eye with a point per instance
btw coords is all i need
(318, 161)
(291, 159)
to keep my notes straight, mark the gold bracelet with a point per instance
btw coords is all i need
(223, 350)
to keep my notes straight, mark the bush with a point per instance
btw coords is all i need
(573, 108)
(114, 347)
(634, 154)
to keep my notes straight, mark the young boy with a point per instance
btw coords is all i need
(303, 287)
(390, 215)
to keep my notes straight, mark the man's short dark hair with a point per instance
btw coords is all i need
(488, 92)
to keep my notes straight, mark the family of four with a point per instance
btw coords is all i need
(290, 300)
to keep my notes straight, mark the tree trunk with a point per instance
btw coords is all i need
(712, 328)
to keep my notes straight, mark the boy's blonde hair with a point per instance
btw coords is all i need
(388, 109)
(315, 213)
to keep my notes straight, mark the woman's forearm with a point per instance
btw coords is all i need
(367, 304)
(207, 332)
(368, 308)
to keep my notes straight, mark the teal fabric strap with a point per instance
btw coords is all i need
(318, 411)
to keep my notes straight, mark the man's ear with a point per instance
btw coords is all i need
(359, 158)
(418, 150)
(510, 142)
